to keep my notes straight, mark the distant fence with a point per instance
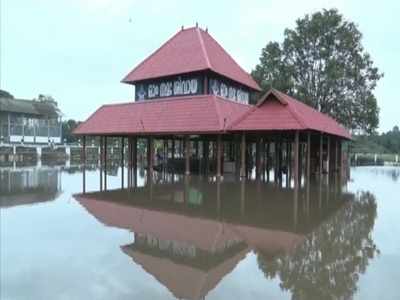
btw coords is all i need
(372, 159)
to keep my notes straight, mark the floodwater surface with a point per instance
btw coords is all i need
(198, 238)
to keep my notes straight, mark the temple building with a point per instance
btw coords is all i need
(193, 96)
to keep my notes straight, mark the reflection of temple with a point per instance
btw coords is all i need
(190, 235)
(28, 185)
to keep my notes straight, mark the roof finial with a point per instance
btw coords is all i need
(182, 27)
(206, 29)
(197, 24)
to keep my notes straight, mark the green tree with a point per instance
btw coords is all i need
(323, 63)
(67, 129)
(328, 264)
(5, 94)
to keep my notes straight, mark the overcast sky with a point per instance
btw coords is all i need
(79, 50)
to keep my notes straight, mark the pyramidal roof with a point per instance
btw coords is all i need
(190, 50)
(278, 111)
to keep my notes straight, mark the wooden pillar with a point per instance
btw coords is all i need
(134, 161)
(196, 148)
(321, 154)
(83, 161)
(218, 195)
(173, 149)
(187, 155)
(308, 170)
(105, 163)
(328, 159)
(150, 156)
(242, 197)
(296, 159)
(219, 155)
(164, 155)
(276, 160)
(101, 162)
(267, 159)
(295, 195)
(280, 161)
(122, 162)
(243, 156)
(336, 155)
(258, 157)
(129, 156)
(206, 154)
(262, 158)
(340, 160)
(287, 164)
(301, 154)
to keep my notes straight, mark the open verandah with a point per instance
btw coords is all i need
(287, 158)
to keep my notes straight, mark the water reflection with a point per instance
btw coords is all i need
(328, 263)
(19, 186)
(191, 233)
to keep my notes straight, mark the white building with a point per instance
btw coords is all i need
(29, 121)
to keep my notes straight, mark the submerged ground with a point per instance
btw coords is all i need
(198, 238)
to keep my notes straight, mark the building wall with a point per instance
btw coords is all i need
(17, 128)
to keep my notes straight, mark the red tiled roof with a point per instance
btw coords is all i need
(183, 281)
(278, 111)
(194, 114)
(190, 50)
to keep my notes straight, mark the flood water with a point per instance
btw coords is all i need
(198, 238)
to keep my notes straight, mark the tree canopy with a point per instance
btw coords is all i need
(5, 94)
(68, 127)
(328, 264)
(322, 62)
(387, 142)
